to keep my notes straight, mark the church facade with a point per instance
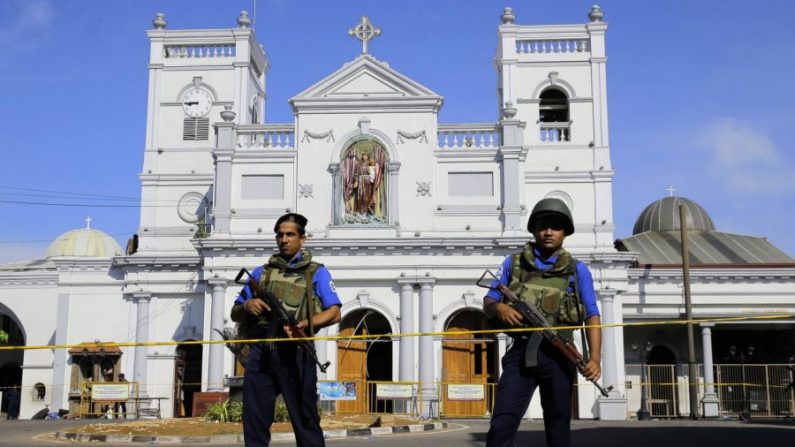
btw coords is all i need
(406, 212)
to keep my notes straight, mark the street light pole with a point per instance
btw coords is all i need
(643, 413)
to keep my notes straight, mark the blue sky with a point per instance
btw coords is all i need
(700, 96)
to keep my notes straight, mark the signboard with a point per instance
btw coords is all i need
(337, 390)
(392, 391)
(110, 391)
(459, 391)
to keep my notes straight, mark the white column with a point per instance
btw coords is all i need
(512, 154)
(321, 347)
(392, 206)
(426, 365)
(59, 376)
(336, 193)
(710, 403)
(223, 153)
(215, 368)
(406, 372)
(613, 407)
(141, 336)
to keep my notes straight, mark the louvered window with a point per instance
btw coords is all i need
(196, 129)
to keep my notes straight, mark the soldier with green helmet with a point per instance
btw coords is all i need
(561, 287)
(306, 290)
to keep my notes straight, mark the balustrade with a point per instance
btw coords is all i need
(269, 136)
(555, 132)
(553, 46)
(199, 51)
(469, 136)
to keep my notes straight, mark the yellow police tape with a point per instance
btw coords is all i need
(399, 335)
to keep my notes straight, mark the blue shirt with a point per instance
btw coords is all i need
(322, 284)
(584, 281)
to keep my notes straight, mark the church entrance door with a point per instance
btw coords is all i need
(469, 366)
(187, 378)
(362, 361)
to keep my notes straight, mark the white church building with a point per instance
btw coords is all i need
(405, 211)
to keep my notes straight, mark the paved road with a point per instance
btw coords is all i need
(673, 433)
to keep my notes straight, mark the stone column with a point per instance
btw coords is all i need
(613, 407)
(512, 154)
(59, 364)
(215, 376)
(406, 326)
(141, 336)
(321, 347)
(223, 154)
(426, 365)
(336, 193)
(393, 168)
(710, 405)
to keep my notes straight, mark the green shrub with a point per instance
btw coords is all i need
(225, 411)
(281, 414)
(3, 337)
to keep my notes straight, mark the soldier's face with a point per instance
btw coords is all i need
(288, 239)
(549, 233)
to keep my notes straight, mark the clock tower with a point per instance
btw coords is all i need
(193, 76)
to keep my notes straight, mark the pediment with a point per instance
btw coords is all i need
(365, 79)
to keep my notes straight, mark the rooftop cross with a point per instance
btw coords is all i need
(88, 222)
(364, 31)
(671, 190)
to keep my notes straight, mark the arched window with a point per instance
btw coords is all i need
(364, 183)
(553, 116)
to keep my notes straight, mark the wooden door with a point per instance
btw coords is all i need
(352, 367)
(465, 360)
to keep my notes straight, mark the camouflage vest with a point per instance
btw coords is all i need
(290, 284)
(548, 290)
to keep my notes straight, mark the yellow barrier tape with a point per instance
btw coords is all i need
(398, 335)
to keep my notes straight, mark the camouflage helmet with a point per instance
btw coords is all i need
(551, 206)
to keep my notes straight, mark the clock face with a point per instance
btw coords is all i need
(197, 102)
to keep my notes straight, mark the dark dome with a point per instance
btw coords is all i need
(663, 215)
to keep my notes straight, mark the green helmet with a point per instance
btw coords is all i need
(551, 206)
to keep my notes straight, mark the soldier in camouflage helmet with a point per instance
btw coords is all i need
(306, 290)
(561, 287)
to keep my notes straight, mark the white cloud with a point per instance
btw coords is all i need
(22, 21)
(745, 157)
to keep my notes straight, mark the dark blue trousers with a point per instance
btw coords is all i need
(287, 370)
(554, 376)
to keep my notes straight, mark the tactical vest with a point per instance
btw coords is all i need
(290, 284)
(548, 290)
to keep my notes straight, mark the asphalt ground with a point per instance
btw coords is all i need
(662, 433)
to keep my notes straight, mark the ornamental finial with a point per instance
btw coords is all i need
(365, 31)
(242, 20)
(159, 21)
(507, 16)
(596, 14)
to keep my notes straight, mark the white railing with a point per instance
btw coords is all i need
(195, 51)
(469, 136)
(553, 46)
(550, 133)
(267, 136)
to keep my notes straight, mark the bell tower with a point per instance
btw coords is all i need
(193, 76)
(555, 78)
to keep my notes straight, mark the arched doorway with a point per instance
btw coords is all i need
(468, 361)
(187, 378)
(10, 361)
(663, 391)
(366, 360)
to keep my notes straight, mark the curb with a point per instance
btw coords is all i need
(238, 438)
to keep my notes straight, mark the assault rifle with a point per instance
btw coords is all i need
(533, 318)
(280, 315)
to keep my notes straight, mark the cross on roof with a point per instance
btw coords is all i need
(671, 190)
(88, 222)
(364, 31)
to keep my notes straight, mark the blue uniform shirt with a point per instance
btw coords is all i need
(584, 281)
(322, 284)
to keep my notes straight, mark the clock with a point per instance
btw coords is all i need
(197, 102)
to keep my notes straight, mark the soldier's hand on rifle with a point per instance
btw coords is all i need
(593, 369)
(508, 315)
(294, 333)
(256, 306)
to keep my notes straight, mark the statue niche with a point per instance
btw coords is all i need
(364, 189)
